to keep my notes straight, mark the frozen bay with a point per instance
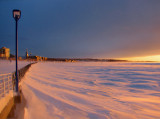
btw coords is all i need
(92, 90)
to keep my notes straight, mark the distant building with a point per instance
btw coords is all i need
(4, 52)
(37, 58)
(27, 55)
(44, 58)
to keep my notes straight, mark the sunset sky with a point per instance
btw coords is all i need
(83, 28)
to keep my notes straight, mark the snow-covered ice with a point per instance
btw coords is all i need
(86, 90)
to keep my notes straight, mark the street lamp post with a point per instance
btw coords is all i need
(16, 16)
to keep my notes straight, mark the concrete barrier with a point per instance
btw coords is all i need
(7, 108)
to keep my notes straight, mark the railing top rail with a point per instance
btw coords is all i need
(6, 74)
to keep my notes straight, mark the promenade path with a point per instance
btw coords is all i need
(7, 66)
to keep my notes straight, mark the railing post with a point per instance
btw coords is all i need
(11, 83)
(4, 85)
(8, 83)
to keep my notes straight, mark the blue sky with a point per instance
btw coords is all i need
(83, 28)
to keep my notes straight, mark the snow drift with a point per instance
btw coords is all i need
(98, 90)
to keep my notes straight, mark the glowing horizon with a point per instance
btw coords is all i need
(145, 58)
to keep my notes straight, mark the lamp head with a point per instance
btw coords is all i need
(16, 14)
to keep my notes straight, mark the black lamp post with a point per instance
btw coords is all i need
(16, 16)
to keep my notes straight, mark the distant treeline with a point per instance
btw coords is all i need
(84, 59)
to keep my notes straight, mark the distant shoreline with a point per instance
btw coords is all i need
(80, 60)
(91, 60)
(84, 59)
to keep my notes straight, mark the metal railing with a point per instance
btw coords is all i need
(6, 84)
(7, 81)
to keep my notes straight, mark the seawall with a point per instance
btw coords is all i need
(8, 110)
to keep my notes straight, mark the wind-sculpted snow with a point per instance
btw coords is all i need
(92, 91)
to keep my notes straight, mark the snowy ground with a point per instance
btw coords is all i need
(7, 66)
(92, 91)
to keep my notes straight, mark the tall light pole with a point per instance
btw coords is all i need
(16, 16)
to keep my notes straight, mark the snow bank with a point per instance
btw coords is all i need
(92, 91)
